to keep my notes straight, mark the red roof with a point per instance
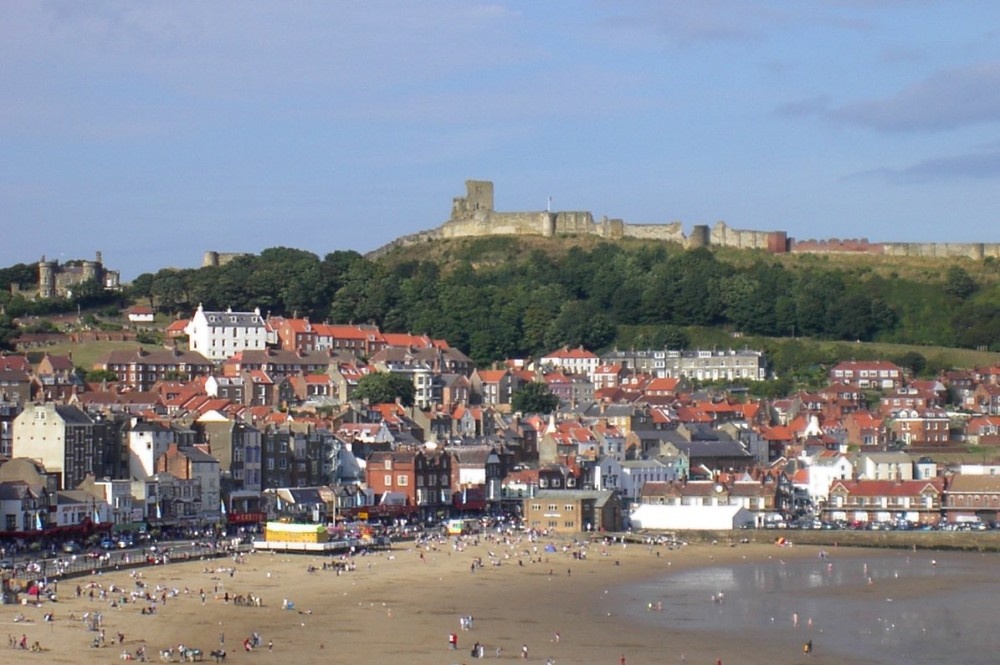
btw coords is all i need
(567, 354)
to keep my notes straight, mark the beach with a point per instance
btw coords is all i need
(401, 605)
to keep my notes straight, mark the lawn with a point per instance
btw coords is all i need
(85, 354)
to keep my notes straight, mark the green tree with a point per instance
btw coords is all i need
(912, 361)
(384, 387)
(534, 397)
(958, 283)
(141, 288)
(96, 375)
(9, 333)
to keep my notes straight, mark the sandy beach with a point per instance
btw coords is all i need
(399, 606)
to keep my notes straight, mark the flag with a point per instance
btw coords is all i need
(159, 513)
(222, 506)
(38, 521)
(97, 515)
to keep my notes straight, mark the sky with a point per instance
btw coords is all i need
(154, 131)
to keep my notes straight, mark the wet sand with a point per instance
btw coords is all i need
(399, 607)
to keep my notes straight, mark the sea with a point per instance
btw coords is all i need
(897, 608)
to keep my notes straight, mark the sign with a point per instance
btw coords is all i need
(246, 518)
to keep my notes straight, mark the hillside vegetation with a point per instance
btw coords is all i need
(501, 297)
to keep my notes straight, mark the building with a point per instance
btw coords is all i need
(572, 361)
(869, 501)
(139, 370)
(58, 281)
(220, 335)
(698, 364)
(868, 374)
(629, 477)
(972, 498)
(192, 464)
(68, 442)
(573, 511)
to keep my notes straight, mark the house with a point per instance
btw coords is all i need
(171, 501)
(572, 361)
(699, 505)
(494, 387)
(910, 397)
(15, 386)
(608, 376)
(884, 466)
(985, 399)
(820, 473)
(363, 341)
(867, 501)
(141, 369)
(140, 314)
(573, 511)
(700, 364)
(220, 335)
(629, 477)
(922, 427)
(192, 463)
(868, 374)
(972, 498)
(983, 431)
(865, 429)
(68, 442)
(294, 334)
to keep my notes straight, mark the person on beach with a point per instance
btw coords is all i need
(524, 652)
(807, 648)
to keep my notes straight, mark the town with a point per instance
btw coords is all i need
(243, 419)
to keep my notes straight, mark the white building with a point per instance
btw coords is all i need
(681, 517)
(572, 361)
(220, 335)
(146, 442)
(628, 477)
(822, 471)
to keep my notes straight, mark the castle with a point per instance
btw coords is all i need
(473, 216)
(57, 281)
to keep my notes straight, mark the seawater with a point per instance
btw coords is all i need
(947, 606)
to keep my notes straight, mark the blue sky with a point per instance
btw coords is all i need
(154, 131)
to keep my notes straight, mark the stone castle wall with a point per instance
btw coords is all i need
(473, 216)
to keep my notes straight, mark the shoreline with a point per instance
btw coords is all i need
(399, 606)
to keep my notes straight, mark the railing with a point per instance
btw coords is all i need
(26, 568)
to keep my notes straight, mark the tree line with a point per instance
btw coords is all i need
(493, 300)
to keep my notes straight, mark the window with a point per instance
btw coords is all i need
(402, 480)
(387, 480)
(569, 524)
(534, 506)
(551, 507)
(387, 464)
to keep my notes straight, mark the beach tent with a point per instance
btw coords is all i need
(550, 548)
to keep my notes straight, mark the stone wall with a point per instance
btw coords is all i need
(673, 232)
(473, 216)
